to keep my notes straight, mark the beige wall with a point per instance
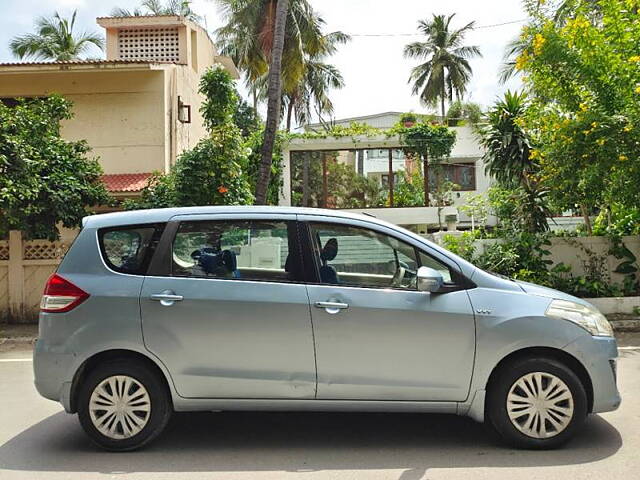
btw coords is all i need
(120, 113)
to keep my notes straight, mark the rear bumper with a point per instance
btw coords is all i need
(52, 375)
(599, 356)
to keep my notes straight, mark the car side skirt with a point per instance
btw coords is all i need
(206, 404)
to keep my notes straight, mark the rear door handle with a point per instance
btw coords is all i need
(332, 307)
(166, 298)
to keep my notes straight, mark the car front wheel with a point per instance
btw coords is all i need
(537, 403)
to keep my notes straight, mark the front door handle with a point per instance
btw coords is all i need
(332, 307)
(166, 298)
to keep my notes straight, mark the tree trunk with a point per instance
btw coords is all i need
(255, 99)
(587, 220)
(425, 168)
(289, 114)
(273, 103)
(443, 95)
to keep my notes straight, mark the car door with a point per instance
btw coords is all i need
(225, 311)
(377, 337)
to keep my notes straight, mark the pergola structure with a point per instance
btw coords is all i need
(380, 158)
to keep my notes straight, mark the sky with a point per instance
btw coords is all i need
(374, 69)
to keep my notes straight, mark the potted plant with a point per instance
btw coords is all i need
(408, 120)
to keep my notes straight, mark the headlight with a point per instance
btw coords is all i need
(587, 317)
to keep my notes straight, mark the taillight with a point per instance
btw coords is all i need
(60, 295)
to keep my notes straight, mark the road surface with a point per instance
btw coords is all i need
(39, 441)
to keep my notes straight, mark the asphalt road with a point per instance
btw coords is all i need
(39, 441)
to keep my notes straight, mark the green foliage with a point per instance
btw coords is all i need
(246, 118)
(347, 189)
(214, 172)
(433, 142)
(582, 65)
(629, 266)
(477, 207)
(354, 129)
(44, 179)
(408, 190)
(408, 117)
(511, 160)
(461, 245)
(518, 210)
(55, 40)
(181, 8)
(254, 145)
(617, 220)
(460, 111)
(221, 97)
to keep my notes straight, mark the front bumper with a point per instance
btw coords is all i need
(53, 373)
(599, 356)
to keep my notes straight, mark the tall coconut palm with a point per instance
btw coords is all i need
(446, 71)
(248, 34)
(181, 8)
(54, 40)
(312, 94)
(273, 103)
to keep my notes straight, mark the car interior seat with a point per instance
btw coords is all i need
(328, 274)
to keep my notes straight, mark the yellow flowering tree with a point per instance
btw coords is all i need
(581, 62)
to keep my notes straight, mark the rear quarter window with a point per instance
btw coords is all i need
(129, 249)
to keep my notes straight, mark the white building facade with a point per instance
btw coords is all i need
(313, 165)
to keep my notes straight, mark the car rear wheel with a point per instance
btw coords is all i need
(536, 403)
(123, 405)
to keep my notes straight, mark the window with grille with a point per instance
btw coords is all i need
(153, 44)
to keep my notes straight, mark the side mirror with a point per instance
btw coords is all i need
(429, 280)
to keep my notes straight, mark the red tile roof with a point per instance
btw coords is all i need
(126, 182)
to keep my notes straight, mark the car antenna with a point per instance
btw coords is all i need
(368, 214)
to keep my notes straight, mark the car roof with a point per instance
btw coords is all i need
(137, 217)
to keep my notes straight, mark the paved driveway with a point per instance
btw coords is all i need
(39, 441)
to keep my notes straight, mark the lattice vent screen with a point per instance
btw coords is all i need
(160, 44)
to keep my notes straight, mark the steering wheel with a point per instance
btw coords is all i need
(396, 281)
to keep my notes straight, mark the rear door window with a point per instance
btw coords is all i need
(129, 249)
(263, 250)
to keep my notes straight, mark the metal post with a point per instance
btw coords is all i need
(325, 188)
(425, 168)
(391, 179)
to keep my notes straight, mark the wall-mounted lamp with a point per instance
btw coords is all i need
(184, 111)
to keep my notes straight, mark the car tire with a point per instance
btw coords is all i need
(536, 403)
(123, 405)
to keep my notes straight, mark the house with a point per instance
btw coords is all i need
(382, 162)
(139, 108)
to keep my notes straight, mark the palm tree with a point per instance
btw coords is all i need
(248, 33)
(312, 94)
(446, 71)
(273, 103)
(181, 8)
(54, 40)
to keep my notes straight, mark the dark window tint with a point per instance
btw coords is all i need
(237, 249)
(129, 249)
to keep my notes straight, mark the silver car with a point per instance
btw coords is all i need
(268, 308)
